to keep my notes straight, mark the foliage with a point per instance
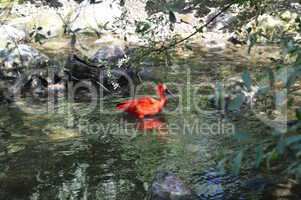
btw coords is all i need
(37, 35)
(278, 146)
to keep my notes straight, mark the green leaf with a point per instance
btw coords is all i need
(291, 47)
(263, 90)
(298, 114)
(271, 77)
(292, 75)
(172, 17)
(298, 154)
(236, 103)
(252, 41)
(32, 33)
(241, 137)
(259, 156)
(142, 27)
(221, 166)
(219, 96)
(73, 40)
(292, 139)
(188, 46)
(274, 156)
(298, 171)
(280, 146)
(39, 38)
(237, 163)
(246, 77)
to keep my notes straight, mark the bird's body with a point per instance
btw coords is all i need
(145, 106)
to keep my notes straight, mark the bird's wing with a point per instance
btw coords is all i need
(146, 101)
(126, 105)
(139, 105)
(146, 104)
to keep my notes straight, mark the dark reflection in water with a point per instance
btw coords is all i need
(76, 169)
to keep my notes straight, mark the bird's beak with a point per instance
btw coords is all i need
(169, 94)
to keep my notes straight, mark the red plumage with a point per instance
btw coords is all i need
(145, 106)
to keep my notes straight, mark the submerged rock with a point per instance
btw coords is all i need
(167, 186)
(22, 56)
(212, 185)
(24, 69)
(233, 95)
(285, 190)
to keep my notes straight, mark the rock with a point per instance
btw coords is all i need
(50, 3)
(236, 40)
(215, 42)
(112, 79)
(47, 20)
(22, 56)
(215, 185)
(136, 10)
(233, 95)
(28, 17)
(220, 23)
(267, 22)
(36, 85)
(109, 54)
(94, 16)
(185, 24)
(167, 186)
(57, 87)
(257, 183)
(296, 6)
(216, 36)
(9, 34)
(285, 190)
(25, 69)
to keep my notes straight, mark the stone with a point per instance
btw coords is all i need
(220, 23)
(167, 186)
(213, 184)
(22, 56)
(10, 34)
(109, 53)
(95, 16)
(28, 16)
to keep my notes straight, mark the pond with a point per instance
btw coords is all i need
(65, 149)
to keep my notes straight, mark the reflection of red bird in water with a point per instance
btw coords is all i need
(145, 105)
(151, 124)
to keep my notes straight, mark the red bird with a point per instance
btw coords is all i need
(145, 105)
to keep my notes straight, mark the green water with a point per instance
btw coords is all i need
(73, 150)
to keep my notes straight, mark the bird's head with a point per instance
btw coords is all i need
(162, 90)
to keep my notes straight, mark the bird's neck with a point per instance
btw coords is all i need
(163, 100)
